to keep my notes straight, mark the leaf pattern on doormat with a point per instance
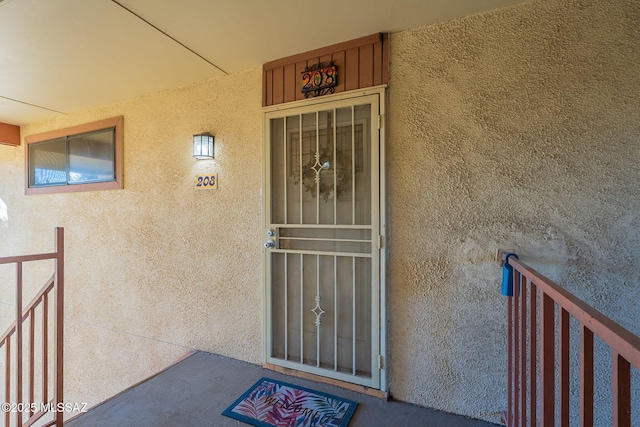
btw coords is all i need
(271, 403)
(254, 408)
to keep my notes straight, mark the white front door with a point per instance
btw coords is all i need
(323, 239)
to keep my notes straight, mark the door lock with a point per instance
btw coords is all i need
(269, 244)
(271, 232)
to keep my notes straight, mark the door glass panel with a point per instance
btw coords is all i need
(278, 291)
(326, 303)
(278, 168)
(344, 165)
(310, 275)
(345, 314)
(293, 307)
(325, 167)
(309, 144)
(362, 164)
(294, 161)
(362, 316)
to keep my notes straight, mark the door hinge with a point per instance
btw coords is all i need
(380, 121)
(380, 242)
(380, 361)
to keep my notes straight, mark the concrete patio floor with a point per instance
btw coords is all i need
(197, 389)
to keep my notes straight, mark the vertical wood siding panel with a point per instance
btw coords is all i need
(352, 72)
(300, 66)
(278, 85)
(264, 87)
(313, 61)
(338, 60)
(366, 67)
(385, 58)
(377, 63)
(289, 82)
(325, 58)
(269, 87)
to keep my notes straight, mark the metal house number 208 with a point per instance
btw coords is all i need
(319, 79)
(207, 182)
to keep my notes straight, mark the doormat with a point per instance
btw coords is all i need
(271, 403)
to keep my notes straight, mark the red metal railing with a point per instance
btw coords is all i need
(532, 346)
(24, 412)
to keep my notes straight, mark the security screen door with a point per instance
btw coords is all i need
(322, 239)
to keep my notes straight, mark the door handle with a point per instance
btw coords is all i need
(269, 244)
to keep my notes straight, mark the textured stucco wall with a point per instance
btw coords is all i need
(158, 268)
(516, 129)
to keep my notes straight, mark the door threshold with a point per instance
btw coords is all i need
(318, 378)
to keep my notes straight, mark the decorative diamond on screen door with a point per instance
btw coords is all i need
(318, 167)
(318, 311)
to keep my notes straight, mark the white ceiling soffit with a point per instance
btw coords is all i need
(70, 55)
(62, 56)
(240, 34)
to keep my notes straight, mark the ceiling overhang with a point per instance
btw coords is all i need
(58, 57)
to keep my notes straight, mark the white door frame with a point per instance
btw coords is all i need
(266, 300)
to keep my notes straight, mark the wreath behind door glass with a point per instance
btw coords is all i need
(342, 164)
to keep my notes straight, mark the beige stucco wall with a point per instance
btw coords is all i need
(158, 268)
(517, 129)
(514, 129)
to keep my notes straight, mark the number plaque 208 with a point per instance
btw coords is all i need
(207, 182)
(319, 79)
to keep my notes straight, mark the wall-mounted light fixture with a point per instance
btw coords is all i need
(203, 146)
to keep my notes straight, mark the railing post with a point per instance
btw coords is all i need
(45, 348)
(564, 367)
(586, 376)
(516, 350)
(533, 331)
(621, 391)
(59, 324)
(7, 386)
(522, 294)
(32, 358)
(18, 397)
(509, 415)
(547, 361)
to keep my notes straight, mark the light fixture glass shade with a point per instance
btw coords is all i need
(203, 146)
